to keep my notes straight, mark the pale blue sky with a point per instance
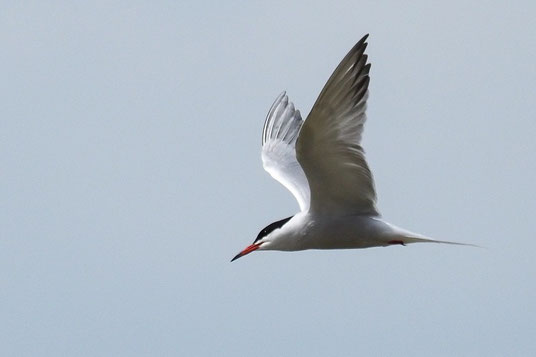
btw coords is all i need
(131, 174)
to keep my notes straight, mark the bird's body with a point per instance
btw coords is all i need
(322, 163)
(308, 230)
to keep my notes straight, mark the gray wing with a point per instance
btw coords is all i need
(281, 128)
(329, 145)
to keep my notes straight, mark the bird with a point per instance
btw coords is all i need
(321, 161)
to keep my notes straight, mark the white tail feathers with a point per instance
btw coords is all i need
(422, 239)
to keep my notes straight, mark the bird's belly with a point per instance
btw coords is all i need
(346, 233)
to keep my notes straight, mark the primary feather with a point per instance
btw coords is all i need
(281, 129)
(329, 145)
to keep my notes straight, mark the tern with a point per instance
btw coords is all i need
(322, 163)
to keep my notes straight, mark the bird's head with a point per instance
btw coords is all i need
(264, 238)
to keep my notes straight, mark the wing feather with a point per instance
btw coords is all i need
(281, 129)
(329, 145)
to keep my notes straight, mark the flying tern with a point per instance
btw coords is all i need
(322, 163)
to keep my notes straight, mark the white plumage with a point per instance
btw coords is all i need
(279, 135)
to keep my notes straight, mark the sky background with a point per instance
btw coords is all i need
(130, 175)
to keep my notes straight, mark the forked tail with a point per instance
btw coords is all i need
(421, 239)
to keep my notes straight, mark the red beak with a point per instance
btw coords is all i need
(246, 251)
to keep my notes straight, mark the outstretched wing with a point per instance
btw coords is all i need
(279, 135)
(329, 145)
